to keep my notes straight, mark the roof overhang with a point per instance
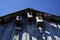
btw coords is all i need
(48, 17)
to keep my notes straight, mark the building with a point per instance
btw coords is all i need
(29, 24)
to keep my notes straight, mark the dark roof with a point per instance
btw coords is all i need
(48, 17)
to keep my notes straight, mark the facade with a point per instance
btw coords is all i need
(29, 24)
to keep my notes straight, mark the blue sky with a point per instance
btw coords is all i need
(49, 6)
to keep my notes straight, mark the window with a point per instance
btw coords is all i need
(39, 17)
(30, 13)
(18, 21)
(18, 18)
